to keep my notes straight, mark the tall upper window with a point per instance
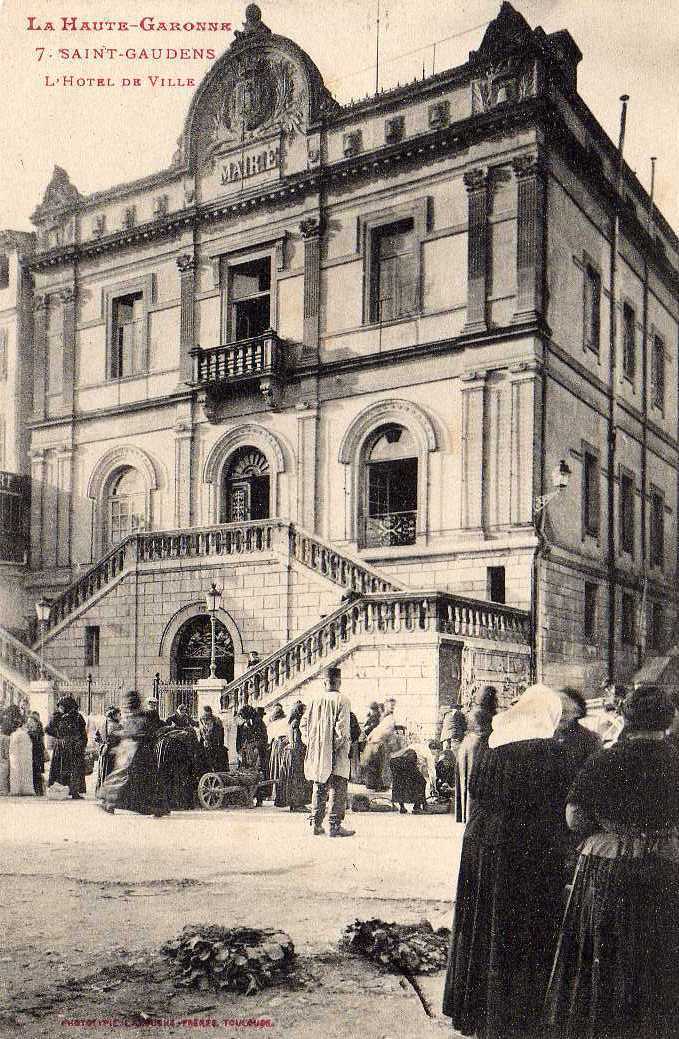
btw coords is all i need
(627, 513)
(629, 345)
(125, 505)
(250, 298)
(393, 289)
(590, 494)
(391, 492)
(128, 339)
(55, 349)
(657, 530)
(658, 373)
(245, 493)
(592, 308)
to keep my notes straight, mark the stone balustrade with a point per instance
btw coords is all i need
(397, 613)
(337, 566)
(17, 659)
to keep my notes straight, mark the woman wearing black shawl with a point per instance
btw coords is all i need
(67, 728)
(134, 782)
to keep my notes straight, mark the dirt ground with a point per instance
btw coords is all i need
(87, 900)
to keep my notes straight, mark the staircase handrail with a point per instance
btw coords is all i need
(32, 667)
(375, 576)
(396, 611)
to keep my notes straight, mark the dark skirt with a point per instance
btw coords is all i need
(134, 782)
(175, 756)
(67, 766)
(507, 910)
(280, 767)
(105, 763)
(408, 784)
(616, 969)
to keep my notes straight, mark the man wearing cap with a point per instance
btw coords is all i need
(326, 730)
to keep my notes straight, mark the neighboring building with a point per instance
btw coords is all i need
(16, 387)
(386, 324)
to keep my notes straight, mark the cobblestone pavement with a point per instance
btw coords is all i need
(87, 899)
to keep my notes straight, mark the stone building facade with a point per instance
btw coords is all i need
(385, 325)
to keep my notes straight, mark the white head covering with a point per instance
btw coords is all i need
(534, 716)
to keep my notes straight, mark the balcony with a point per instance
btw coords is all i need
(391, 528)
(259, 359)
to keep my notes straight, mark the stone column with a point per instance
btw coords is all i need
(64, 490)
(187, 272)
(38, 464)
(473, 385)
(183, 437)
(311, 230)
(68, 299)
(307, 427)
(476, 183)
(40, 305)
(530, 220)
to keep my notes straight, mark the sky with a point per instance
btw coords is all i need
(110, 134)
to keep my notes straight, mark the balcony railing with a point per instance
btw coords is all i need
(253, 358)
(392, 528)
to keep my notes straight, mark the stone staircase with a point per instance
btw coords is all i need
(20, 665)
(150, 549)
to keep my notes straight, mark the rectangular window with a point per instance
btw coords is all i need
(591, 496)
(657, 530)
(495, 583)
(589, 618)
(92, 646)
(393, 289)
(658, 373)
(627, 513)
(654, 631)
(250, 299)
(128, 339)
(4, 338)
(629, 358)
(628, 620)
(592, 315)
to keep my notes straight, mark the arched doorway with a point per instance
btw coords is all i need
(245, 487)
(124, 505)
(191, 651)
(391, 487)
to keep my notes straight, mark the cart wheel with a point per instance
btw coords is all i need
(211, 790)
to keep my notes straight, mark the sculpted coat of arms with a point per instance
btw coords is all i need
(260, 94)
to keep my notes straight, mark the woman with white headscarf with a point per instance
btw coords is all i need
(510, 883)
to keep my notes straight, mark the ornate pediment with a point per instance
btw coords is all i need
(264, 88)
(60, 195)
(505, 62)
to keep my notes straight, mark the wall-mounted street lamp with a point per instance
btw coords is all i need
(560, 474)
(43, 608)
(212, 599)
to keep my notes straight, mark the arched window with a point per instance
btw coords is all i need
(125, 505)
(192, 648)
(391, 487)
(246, 487)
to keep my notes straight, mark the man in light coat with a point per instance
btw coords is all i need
(326, 730)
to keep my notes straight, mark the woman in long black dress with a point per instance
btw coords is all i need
(68, 729)
(509, 892)
(37, 734)
(134, 783)
(617, 963)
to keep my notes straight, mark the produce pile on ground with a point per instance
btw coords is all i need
(402, 948)
(231, 959)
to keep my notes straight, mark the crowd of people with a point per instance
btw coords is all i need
(566, 918)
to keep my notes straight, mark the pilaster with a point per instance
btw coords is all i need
(38, 464)
(183, 442)
(473, 388)
(311, 230)
(529, 172)
(64, 493)
(40, 305)
(524, 378)
(68, 300)
(187, 274)
(476, 183)
(307, 429)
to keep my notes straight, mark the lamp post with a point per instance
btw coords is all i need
(212, 598)
(43, 608)
(560, 475)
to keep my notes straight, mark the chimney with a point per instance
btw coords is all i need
(567, 56)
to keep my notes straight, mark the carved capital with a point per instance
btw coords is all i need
(186, 263)
(271, 391)
(38, 455)
(41, 302)
(475, 180)
(189, 194)
(528, 166)
(67, 296)
(311, 227)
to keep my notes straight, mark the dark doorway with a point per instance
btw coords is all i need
(191, 654)
(246, 488)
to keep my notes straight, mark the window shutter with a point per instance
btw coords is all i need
(594, 495)
(407, 284)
